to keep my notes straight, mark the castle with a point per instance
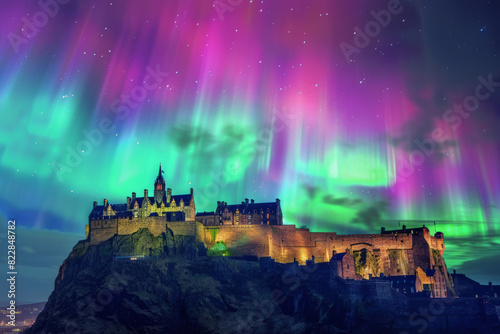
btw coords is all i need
(256, 229)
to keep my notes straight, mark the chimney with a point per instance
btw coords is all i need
(334, 252)
(252, 201)
(383, 230)
(95, 204)
(454, 272)
(169, 194)
(133, 197)
(129, 200)
(404, 228)
(382, 275)
(246, 201)
(278, 201)
(490, 284)
(145, 193)
(191, 191)
(218, 203)
(105, 202)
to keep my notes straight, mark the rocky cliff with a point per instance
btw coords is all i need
(176, 288)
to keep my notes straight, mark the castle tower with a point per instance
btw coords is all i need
(159, 187)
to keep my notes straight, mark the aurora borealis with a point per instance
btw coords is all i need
(252, 99)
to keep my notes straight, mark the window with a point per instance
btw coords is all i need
(347, 266)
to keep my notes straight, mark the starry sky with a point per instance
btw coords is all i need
(357, 115)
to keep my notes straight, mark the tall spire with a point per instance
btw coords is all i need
(160, 182)
(159, 187)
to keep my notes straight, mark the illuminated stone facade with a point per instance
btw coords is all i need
(246, 213)
(140, 212)
(257, 229)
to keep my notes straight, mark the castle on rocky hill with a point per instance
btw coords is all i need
(256, 229)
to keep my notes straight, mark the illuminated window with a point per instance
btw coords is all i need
(268, 216)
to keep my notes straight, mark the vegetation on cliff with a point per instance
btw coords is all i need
(366, 263)
(398, 261)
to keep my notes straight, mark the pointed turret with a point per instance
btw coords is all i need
(159, 187)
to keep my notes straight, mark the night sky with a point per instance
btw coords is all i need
(353, 123)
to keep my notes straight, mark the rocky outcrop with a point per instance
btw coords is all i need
(176, 288)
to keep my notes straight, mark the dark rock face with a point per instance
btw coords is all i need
(178, 291)
(176, 288)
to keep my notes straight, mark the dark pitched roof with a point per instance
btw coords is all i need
(122, 208)
(245, 208)
(97, 212)
(177, 198)
(338, 257)
(139, 201)
(119, 207)
(409, 278)
(204, 213)
(488, 290)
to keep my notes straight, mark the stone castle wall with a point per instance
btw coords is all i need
(397, 254)
(394, 254)
(103, 229)
(186, 228)
(240, 240)
(100, 230)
